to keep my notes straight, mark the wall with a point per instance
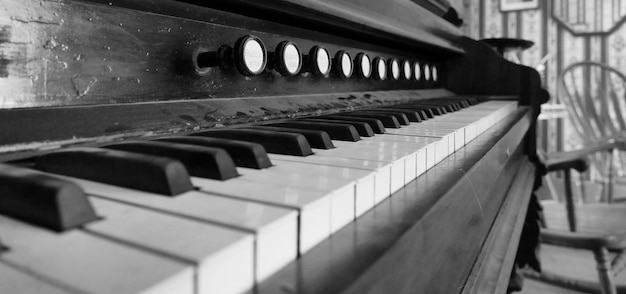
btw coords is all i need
(564, 31)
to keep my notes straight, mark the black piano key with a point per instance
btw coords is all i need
(437, 110)
(376, 125)
(155, 174)
(200, 161)
(411, 115)
(43, 200)
(244, 154)
(362, 128)
(317, 139)
(274, 142)
(422, 114)
(401, 117)
(341, 132)
(388, 120)
(428, 110)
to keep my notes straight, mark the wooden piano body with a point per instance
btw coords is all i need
(92, 71)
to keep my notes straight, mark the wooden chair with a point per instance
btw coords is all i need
(595, 97)
(596, 227)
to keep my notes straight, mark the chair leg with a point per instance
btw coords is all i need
(610, 179)
(605, 274)
(569, 201)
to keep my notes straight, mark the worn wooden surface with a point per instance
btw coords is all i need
(424, 238)
(72, 52)
(493, 266)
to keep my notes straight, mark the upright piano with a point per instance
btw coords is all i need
(288, 146)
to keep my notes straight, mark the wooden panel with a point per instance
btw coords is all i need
(392, 21)
(492, 269)
(59, 53)
(424, 238)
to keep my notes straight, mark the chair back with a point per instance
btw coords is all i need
(595, 98)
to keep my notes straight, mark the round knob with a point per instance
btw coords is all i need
(321, 63)
(363, 65)
(406, 65)
(418, 71)
(427, 72)
(343, 65)
(250, 55)
(394, 69)
(433, 72)
(380, 68)
(288, 58)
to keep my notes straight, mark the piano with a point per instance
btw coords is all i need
(292, 146)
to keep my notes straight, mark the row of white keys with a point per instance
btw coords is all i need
(274, 228)
(79, 262)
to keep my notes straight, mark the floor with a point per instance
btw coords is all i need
(536, 287)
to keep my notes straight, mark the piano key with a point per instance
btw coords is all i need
(317, 139)
(13, 280)
(363, 182)
(336, 131)
(222, 258)
(275, 228)
(200, 161)
(342, 192)
(86, 263)
(160, 175)
(42, 200)
(429, 111)
(362, 128)
(412, 115)
(376, 125)
(245, 154)
(274, 142)
(382, 171)
(314, 207)
(401, 117)
(388, 120)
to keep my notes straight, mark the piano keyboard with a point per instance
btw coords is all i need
(193, 230)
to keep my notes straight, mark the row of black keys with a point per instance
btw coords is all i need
(163, 165)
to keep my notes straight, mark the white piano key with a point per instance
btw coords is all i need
(381, 170)
(313, 206)
(275, 228)
(89, 264)
(223, 258)
(14, 281)
(341, 192)
(364, 180)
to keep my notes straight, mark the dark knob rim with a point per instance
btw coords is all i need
(339, 64)
(378, 74)
(239, 58)
(358, 65)
(313, 54)
(390, 64)
(281, 66)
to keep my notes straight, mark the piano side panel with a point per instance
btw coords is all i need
(426, 237)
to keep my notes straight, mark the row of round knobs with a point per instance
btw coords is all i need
(251, 58)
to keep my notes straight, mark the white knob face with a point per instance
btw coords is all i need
(434, 73)
(427, 72)
(366, 66)
(395, 69)
(382, 69)
(323, 61)
(407, 70)
(346, 65)
(418, 71)
(253, 56)
(291, 58)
